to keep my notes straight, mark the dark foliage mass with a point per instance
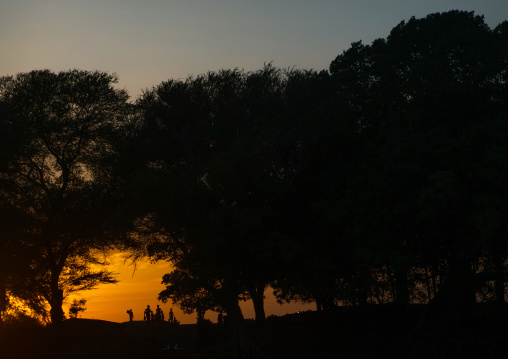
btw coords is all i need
(382, 180)
(54, 192)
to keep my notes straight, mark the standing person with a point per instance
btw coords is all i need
(171, 317)
(131, 315)
(148, 314)
(159, 315)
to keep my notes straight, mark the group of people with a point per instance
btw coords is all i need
(158, 316)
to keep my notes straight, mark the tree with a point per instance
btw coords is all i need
(59, 179)
(426, 98)
(77, 306)
(223, 153)
(210, 184)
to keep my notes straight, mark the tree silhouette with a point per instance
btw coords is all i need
(430, 103)
(58, 180)
(77, 306)
(221, 154)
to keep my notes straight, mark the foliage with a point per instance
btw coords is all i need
(57, 180)
(426, 189)
(382, 180)
(77, 306)
(371, 183)
(223, 154)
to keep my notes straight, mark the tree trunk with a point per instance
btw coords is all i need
(499, 278)
(234, 313)
(240, 346)
(458, 291)
(324, 301)
(428, 281)
(56, 302)
(361, 297)
(319, 304)
(4, 274)
(3, 297)
(257, 293)
(401, 288)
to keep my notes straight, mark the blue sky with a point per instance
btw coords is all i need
(148, 41)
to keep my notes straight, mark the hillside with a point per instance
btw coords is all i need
(380, 332)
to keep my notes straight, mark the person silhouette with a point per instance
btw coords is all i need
(171, 317)
(159, 315)
(148, 314)
(131, 315)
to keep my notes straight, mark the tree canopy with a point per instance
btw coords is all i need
(56, 179)
(378, 181)
(427, 188)
(381, 180)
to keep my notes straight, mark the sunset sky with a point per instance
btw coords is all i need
(139, 288)
(148, 41)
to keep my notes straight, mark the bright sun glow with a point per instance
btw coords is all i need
(138, 288)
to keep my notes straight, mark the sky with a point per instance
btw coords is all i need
(138, 288)
(146, 42)
(149, 41)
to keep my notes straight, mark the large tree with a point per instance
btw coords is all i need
(59, 179)
(222, 154)
(426, 194)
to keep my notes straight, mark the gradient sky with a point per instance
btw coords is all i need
(148, 41)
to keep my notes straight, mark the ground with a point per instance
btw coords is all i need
(376, 332)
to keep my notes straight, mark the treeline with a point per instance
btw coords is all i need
(381, 180)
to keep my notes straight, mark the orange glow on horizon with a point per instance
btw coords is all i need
(137, 289)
